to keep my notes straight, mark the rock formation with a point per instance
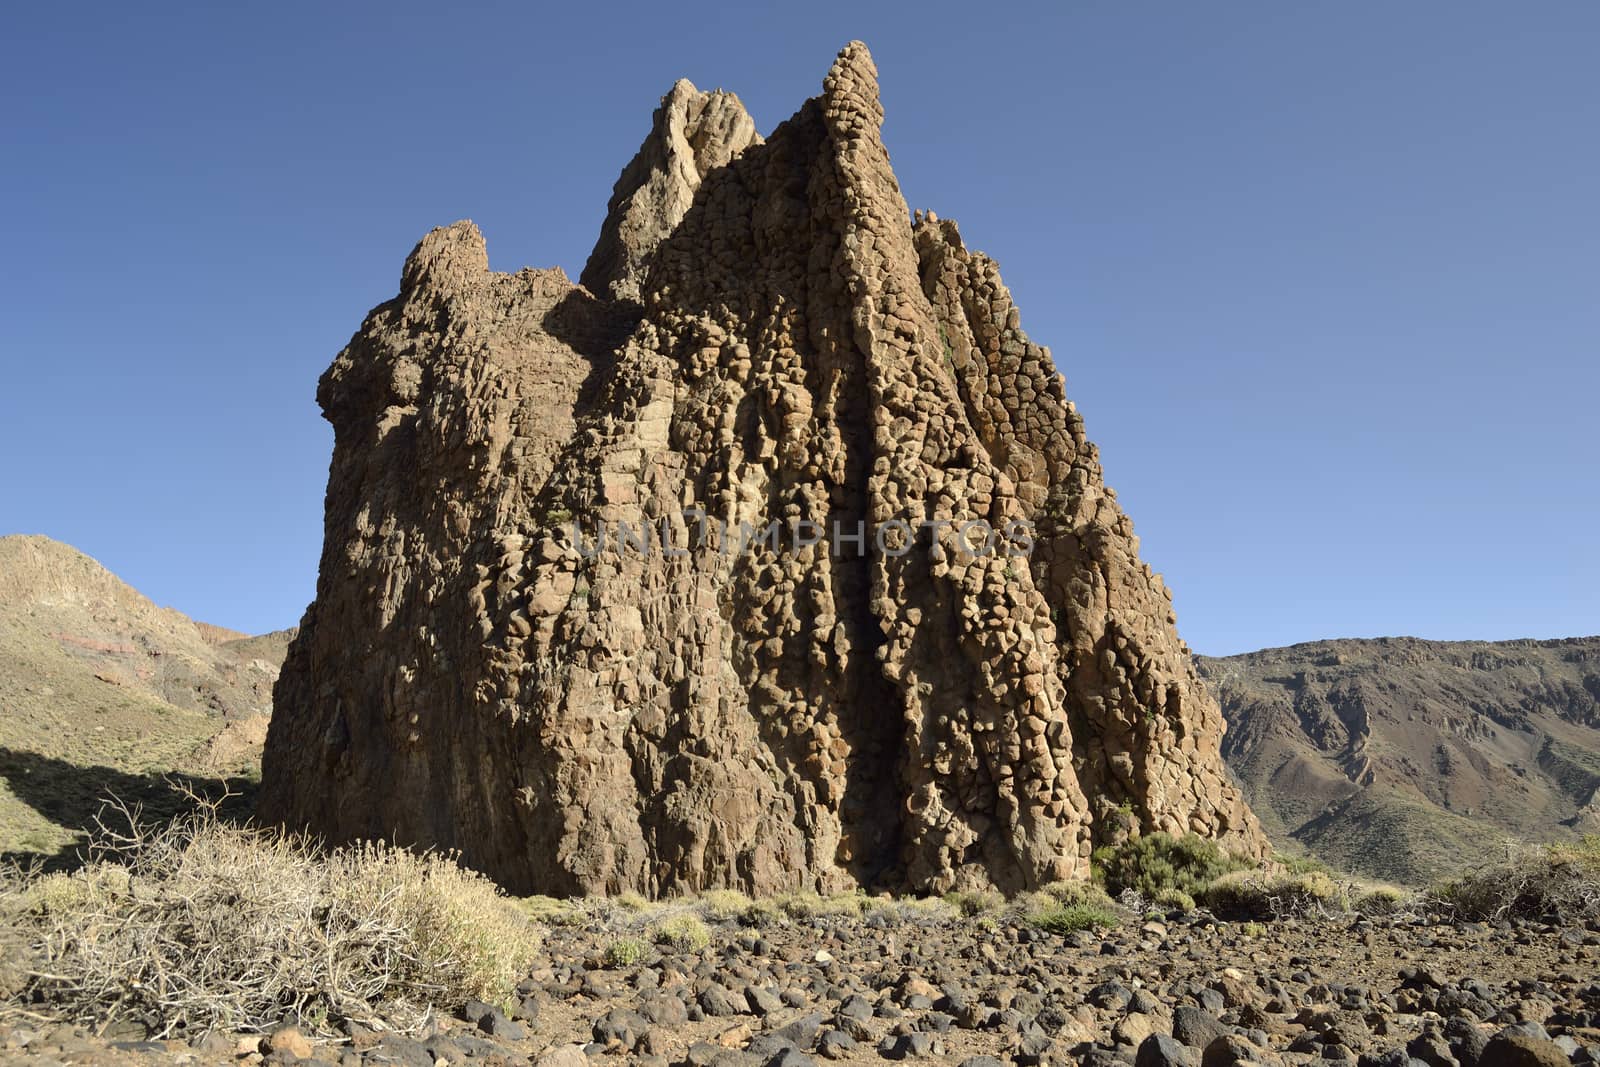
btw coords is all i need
(764, 336)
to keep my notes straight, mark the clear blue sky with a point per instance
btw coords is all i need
(1321, 277)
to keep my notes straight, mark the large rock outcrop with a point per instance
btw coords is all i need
(766, 336)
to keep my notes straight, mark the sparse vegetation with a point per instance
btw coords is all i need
(1158, 862)
(626, 951)
(813, 905)
(975, 902)
(684, 932)
(200, 924)
(1070, 918)
(720, 905)
(1531, 880)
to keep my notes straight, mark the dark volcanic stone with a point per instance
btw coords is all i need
(1164, 1050)
(1196, 1027)
(913, 1046)
(399, 1051)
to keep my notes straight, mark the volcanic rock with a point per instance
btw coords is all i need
(661, 583)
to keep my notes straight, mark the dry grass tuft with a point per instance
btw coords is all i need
(201, 925)
(814, 906)
(974, 902)
(720, 905)
(684, 932)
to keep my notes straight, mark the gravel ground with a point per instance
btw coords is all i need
(1156, 991)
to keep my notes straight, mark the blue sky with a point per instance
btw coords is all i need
(1322, 278)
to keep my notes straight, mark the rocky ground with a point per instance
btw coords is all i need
(1157, 991)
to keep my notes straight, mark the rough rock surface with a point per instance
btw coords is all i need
(693, 134)
(891, 711)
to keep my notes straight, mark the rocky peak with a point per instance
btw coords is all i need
(773, 346)
(693, 134)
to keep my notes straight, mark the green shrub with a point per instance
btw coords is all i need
(684, 932)
(1070, 918)
(625, 952)
(1156, 862)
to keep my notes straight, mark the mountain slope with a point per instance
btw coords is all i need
(1405, 758)
(101, 689)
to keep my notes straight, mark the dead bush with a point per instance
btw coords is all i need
(1531, 880)
(201, 925)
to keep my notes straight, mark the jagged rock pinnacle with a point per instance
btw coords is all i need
(764, 342)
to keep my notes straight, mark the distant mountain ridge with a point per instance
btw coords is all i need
(1405, 758)
(100, 687)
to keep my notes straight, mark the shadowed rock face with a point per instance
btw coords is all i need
(789, 347)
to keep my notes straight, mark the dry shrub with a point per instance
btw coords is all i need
(684, 932)
(762, 913)
(1382, 899)
(552, 911)
(1532, 880)
(720, 905)
(1270, 894)
(202, 925)
(630, 901)
(808, 905)
(974, 902)
(1174, 900)
(1069, 893)
(625, 951)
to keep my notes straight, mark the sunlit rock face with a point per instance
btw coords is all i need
(767, 348)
